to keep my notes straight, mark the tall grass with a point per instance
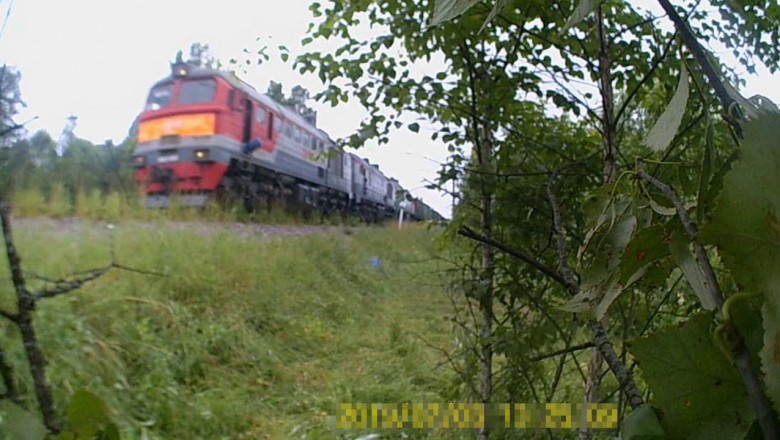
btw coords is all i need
(241, 336)
(116, 206)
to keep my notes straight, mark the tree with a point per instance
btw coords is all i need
(10, 130)
(200, 55)
(10, 102)
(297, 101)
(276, 91)
(611, 69)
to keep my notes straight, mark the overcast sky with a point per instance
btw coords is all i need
(97, 59)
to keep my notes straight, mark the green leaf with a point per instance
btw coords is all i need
(662, 210)
(667, 125)
(18, 423)
(415, 127)
(446, 10)
(600, 286)
(643, 424)
(648, 245)
(603, 211)
(745, 228)
(585, 8)
(706, 171)
(500, 4)
(694, 385)
(690, 268)
(87, 414)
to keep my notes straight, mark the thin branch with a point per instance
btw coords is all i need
(519, 254)
(644, 79)
(9, 316)
(600, 338)
(563, 351)
(7, 374)
(138, 271)
(71, 285)
(657, 309)
(711, 280)
(698, 52)
(15, 127)
(563, 264)
(528, 174)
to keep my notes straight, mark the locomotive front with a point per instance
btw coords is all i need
(184, 137)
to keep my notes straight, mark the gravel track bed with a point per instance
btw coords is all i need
(247, 230)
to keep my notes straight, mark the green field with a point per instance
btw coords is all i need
(241, 336)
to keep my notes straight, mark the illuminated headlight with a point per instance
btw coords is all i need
(201, 155)
(139, 161)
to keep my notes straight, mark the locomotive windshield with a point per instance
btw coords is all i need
(159, 97)
(197, 91)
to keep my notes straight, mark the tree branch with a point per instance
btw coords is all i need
(600, 339)
(643, 81)
(9, 316)
(742, 357)
(692, 43)
(66, 286)
(563, 264)
(690, 228)
(562, 351)
(8, 379)
(519, 254)
(26, 305)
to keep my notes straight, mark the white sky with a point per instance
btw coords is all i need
(97, 59)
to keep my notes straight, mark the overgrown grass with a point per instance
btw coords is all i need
(58, 202)
(242, 337)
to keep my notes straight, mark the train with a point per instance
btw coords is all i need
(206, 135)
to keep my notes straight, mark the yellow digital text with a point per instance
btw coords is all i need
(476, 416)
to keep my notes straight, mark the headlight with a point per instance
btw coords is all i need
(201, 155)
(139, 161)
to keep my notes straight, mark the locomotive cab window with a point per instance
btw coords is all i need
(260, 115)
(198, 91)
(159, 97)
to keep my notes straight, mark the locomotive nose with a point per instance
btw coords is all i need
(161, 175)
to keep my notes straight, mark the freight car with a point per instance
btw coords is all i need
(206, 134)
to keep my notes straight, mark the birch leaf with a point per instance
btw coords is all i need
(446, 10)
(585, 8)
(496, 9)
(662, 210)
(691, 269)
(746, 230)
(693, 383)
(706, 171)
(667, 125)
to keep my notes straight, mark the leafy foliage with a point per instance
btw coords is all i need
(633, 240)
(699, 392)
(745, 228)
(643, 424)
(18, 423)
(660, 137)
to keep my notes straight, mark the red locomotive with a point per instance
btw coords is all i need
(206, 133)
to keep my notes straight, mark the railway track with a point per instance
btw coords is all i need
(247, 230)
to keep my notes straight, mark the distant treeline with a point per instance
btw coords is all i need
(33, 163)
